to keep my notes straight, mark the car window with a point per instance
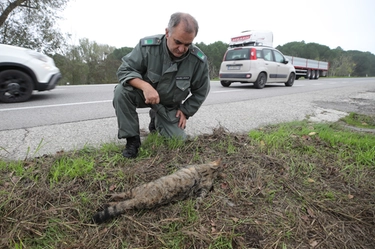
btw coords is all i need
(278, 57)
(237, 54)
(267, 54)
(259, 54)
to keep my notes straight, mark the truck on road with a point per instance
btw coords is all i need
(309, 69)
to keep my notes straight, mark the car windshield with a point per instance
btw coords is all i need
(238, 54)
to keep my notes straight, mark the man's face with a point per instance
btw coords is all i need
(178, 41)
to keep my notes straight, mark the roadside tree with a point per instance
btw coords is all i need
(32, 24)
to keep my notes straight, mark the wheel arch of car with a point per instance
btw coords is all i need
(21, 67)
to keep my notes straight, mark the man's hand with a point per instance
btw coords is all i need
(150, 94)
(182, 121)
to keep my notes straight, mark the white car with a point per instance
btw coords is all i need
(256, 64)
(23, 70)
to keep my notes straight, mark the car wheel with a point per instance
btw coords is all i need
(225, 83)
(261, 81)
(290, 81)
(15, 86)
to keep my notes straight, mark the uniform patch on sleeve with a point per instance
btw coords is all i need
(150, 41)
(195, 51)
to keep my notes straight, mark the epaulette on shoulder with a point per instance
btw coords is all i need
(151, 40)
(198, 53)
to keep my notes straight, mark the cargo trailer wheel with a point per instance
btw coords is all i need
(15, 86)
(225, 83)
(317, 74)
(312, 76)
(261, 81)
(290, 81)
(308, 74)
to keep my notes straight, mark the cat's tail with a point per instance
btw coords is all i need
(107, 214)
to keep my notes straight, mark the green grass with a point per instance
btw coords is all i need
(70, 168)
(344, 142)
(359, 120)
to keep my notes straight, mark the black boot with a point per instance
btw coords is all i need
(132, 146)
(151, 126)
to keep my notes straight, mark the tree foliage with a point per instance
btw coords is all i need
(118, 53)
(32, 23)
(341, 63)
(214, 53)
(364, 63)
(88, 63)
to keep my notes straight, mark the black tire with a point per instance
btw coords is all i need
(290, 81)
(15, 86)
(261, 81)
(308, 74)
(312, 76)
(225, 83)
(317, 74)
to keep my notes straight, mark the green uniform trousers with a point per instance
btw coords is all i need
(125, 101)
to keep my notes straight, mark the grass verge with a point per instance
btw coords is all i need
(292, 185)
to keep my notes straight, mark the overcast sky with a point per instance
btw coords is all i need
(349, 24)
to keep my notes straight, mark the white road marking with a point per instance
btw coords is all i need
(56, 105)
(227, 91)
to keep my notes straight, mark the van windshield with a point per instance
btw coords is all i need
(238, 54)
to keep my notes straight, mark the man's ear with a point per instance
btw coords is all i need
(166, 32)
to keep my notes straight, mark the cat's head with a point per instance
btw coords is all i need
(216, 167)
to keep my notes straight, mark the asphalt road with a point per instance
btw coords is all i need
(71, 117)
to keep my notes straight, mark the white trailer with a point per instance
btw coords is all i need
(309, 69)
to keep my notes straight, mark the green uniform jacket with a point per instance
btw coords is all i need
(174, 80)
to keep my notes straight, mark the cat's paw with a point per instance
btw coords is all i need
(115, 197)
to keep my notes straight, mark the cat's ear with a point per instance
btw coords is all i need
(217, 162)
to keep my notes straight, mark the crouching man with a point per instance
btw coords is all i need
(166, 73)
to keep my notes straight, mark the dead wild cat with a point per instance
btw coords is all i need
(190, 181)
